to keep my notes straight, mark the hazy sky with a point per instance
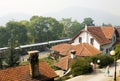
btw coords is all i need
(39, 7)
(24, 9)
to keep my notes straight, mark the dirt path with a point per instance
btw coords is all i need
(99, 75)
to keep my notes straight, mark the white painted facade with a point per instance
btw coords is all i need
(86, 38)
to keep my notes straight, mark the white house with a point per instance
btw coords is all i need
(102, 38)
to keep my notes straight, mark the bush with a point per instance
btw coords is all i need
(81, 66)
(104, 60)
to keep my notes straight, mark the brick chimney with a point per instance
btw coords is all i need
(73, 54)
(34, 63)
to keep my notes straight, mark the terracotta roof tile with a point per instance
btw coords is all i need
(86, 49)
(64, 63)
(21, 73)
(83, 49)
(63, 48)
(101, 34)
(98, 34)
(108, 31)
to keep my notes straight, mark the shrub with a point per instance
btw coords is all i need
(104, 60)
(80, 66)
(117, 51)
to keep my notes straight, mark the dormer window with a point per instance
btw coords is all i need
(80, 40)
(91, 41)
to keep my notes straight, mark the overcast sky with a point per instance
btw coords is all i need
(41, 7)
(45, 6)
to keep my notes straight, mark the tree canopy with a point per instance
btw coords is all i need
(88, 21)
(40, 29)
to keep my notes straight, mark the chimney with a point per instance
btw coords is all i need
(73, 52)
(86, 27)
(34, 63)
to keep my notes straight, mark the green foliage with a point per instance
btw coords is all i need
(45, 29)
(50, 61)
(3, 37)
(117, 51)
(71, 28)
(106, 24)
(12, 58)
(17, 31)
(104, 60)
(81, 66)
(88, 21)
(24, 63)
(40, 29)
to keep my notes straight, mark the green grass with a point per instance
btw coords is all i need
(24, 63)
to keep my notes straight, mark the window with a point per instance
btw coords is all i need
(107, 50)
(101, 49)
(80, 40)
(91, 41)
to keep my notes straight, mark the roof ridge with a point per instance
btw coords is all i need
(82, 48)
(87, 49)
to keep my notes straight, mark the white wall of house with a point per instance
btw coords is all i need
(86, 38)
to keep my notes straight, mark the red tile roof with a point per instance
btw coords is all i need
(84, 49)
(108, 31)
(63, 48)
(98, 34)
(101, 34)
(21, 73)
(64, 63)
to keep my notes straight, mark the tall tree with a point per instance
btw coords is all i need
(12, 58)
(45, 28)
(67, 23)
(75, 28)
(88, 21)
(18, 30)
(106, 24)
(70, 27)
(3, 36)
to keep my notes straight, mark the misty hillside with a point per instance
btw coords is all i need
(77, 13)
(80, 13)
